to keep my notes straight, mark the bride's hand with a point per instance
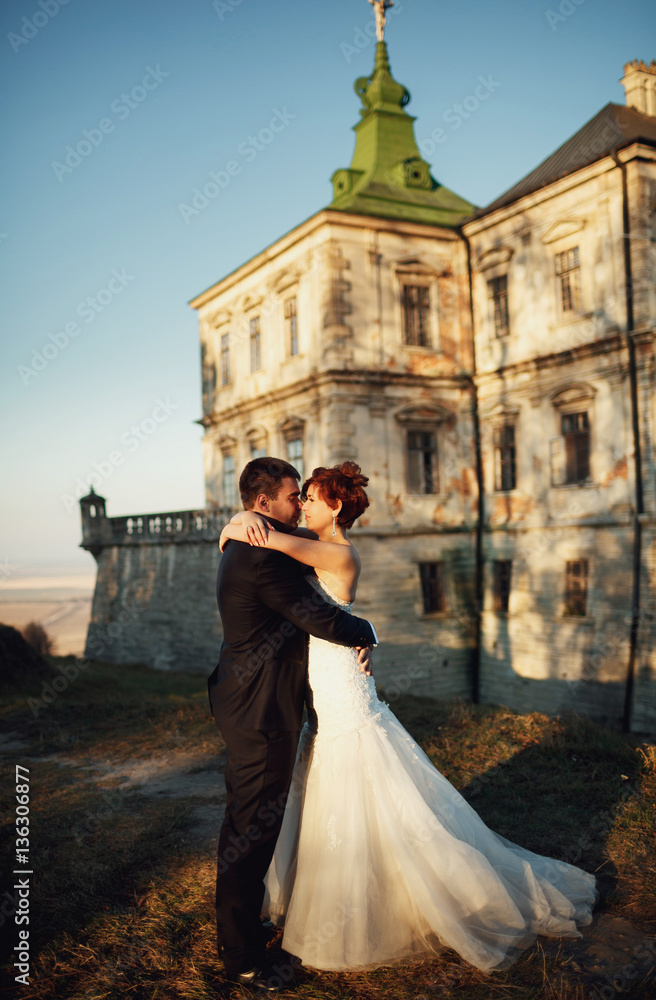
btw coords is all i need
(257, 528)
(365, 660)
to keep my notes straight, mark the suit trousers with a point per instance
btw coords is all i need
(258, 775)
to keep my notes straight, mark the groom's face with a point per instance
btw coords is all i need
(287, 505)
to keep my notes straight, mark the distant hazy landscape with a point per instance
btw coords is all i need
(59, 599)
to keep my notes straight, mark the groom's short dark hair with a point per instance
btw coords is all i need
(264, 475)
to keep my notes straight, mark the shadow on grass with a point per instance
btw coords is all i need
(123, 906)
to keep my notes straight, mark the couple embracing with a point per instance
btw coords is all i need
(342, 831)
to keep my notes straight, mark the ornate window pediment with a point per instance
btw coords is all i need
(285, 279)
(493, 257)
(576, 394)
(500, 413)
(413, 265)
(250, 302)
(220, 318)
(563, 229)
(256, 434)
(428, 414)
(290, 425)
(226, 442)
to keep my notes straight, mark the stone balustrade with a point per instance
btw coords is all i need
(139, 529)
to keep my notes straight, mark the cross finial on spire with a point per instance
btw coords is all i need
(380, 6)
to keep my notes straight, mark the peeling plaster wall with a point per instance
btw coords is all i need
(534, 656)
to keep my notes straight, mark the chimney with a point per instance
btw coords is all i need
(639, 82)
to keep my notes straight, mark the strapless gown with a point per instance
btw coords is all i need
(381, 860)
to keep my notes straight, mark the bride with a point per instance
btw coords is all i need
(379, 858)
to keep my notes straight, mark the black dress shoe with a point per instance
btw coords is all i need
(259, 980)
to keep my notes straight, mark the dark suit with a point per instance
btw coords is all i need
(257, 694)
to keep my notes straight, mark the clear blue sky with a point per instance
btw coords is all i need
(109, 228)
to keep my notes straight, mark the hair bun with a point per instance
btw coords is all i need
(353, 471)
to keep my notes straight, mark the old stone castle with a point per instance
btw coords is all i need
(493, 373)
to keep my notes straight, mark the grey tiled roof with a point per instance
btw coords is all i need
(613, 127)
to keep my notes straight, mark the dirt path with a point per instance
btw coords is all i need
(179, 774)
(612, 953)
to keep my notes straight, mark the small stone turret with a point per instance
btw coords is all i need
(639, 82)
(94, 515)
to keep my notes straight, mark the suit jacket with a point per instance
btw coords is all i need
(268, 608)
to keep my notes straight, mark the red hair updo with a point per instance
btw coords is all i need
(343, 482)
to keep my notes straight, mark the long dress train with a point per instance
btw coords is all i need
(380, 859)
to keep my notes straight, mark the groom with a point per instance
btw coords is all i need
(257, 693)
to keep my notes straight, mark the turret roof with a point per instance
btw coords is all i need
(388, 176)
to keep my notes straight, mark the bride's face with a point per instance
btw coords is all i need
(318, 515)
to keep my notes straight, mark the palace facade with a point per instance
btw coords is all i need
(492, 371)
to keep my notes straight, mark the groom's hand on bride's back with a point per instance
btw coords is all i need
(365, 660)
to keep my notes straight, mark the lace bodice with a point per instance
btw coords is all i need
(344, 699)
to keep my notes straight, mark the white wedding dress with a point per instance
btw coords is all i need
(380, 859)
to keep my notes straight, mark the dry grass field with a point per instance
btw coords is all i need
(126, 786)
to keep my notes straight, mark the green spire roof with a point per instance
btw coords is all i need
(387, 176)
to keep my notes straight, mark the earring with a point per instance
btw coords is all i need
(334, 528)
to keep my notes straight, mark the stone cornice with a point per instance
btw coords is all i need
(347, 379)
(616, 342)
(324, 218)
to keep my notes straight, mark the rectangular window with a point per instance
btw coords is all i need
(416, 315)
(258, 452)
(576, 436)
(568, 271)
(295, 455)
(230, 494)
(498, 293)
(432, 586)
(422, 462)
(576, 587)
(256, 349)
(225, 359)
(504, 457)
(291, 325)
(502, 571)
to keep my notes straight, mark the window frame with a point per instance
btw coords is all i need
(290, 438)
(501, 588)
(432, 586)
(569, 291)
(255, 339)
(498, 449)
(571, 448)
(225, 360)
(426, 430)
(231, 501)
(501, 331)
(290, 320)
(406, 282)
(574, 593)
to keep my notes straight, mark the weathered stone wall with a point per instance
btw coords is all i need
(156, 604)
(534, 656)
